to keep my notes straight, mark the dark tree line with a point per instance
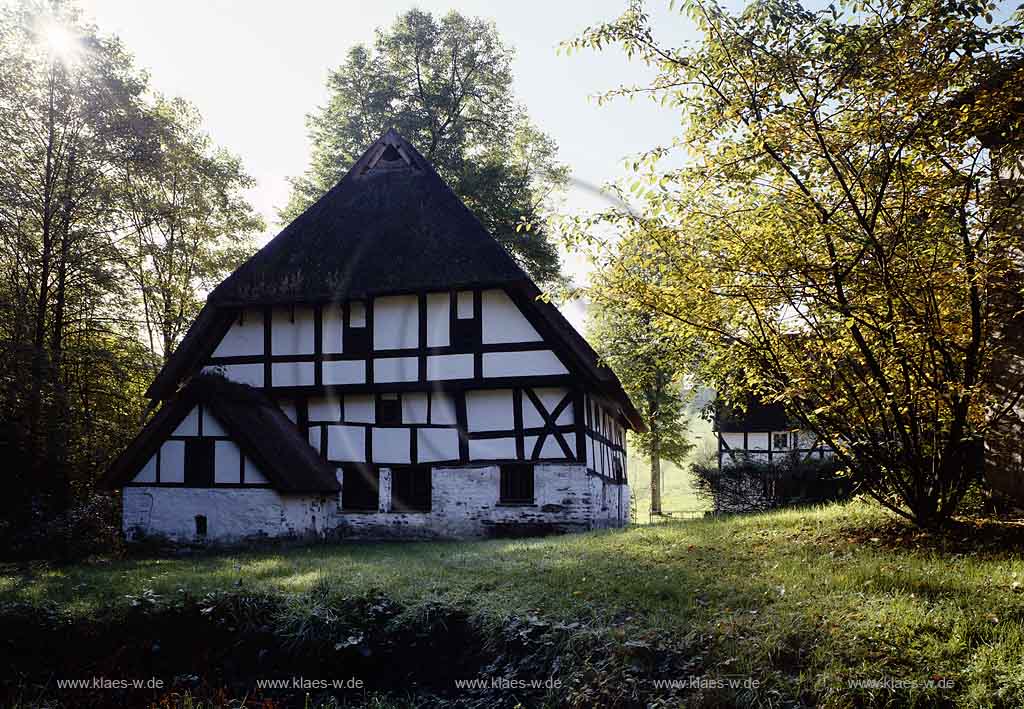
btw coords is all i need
(115, 213)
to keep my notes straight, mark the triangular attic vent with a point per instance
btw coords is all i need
(389, 157)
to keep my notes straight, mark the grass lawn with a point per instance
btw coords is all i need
(806, 602)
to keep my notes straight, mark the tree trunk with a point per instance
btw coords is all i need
(655, 474)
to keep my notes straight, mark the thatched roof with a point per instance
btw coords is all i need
(390, 224)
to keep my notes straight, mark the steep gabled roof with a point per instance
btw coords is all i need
(254, 422)
(391, 224)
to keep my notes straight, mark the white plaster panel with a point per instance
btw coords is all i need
(360, 408)
(503, 321)
(324, 408)
(757, 441)
(333, 328)
(551, 397)
(489, 410)
(346, 443)
(396, 322)
(211, 426)
(522, 364)
(313, 435)
(172, 462)
(227, 468)
(464, 305)
(251, 374)
(438, 319)
(492, 449)
(434, 444)
(293, 374)
(391, 445)
(442, 409)
(189, 425)
(345, 372)
(550, 448)
(253, 474)
(243, 338)
(733, 440)
(395, 369)
(292, 335)
(414, 407)
(451, 366)
(148, 472)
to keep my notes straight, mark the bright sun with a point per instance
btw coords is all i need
(61, 43)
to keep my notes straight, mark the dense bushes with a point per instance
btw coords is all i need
(748, 486)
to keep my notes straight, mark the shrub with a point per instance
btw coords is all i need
(749, 486)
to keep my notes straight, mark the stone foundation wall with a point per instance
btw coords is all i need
(465, 503)
(232, 514)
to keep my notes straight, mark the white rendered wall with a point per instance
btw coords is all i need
(465, 503)
(332, 319)
(244, 337)
(292, 331)
(503, 321)
(227, 457)
(450, 366)
(522, 364)
(232, 514)
(489, 410)
(396, 322)
(438, 319)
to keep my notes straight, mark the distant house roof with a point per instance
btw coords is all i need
(757, 416)
(254, 422)
(390, 225)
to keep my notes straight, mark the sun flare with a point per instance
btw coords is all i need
(59, 41)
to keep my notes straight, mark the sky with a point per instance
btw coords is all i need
(255, 69)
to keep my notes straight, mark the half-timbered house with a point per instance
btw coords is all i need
(763, 433)
(381, 368)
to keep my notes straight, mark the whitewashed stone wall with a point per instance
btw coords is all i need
(232, 514)
(465, 503)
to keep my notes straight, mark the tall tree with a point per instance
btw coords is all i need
(649, 363)
(189, 221)
(843, 222)
(69, 100)
(446, 85)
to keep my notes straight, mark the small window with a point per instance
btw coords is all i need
(780, 441)
(389, 409)
(467, 334)
(411, 488)
(517, 484)
(360, 488)
(356, 338)
(199, 462)
(200, 525)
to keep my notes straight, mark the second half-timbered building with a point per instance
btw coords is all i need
(382, 368)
